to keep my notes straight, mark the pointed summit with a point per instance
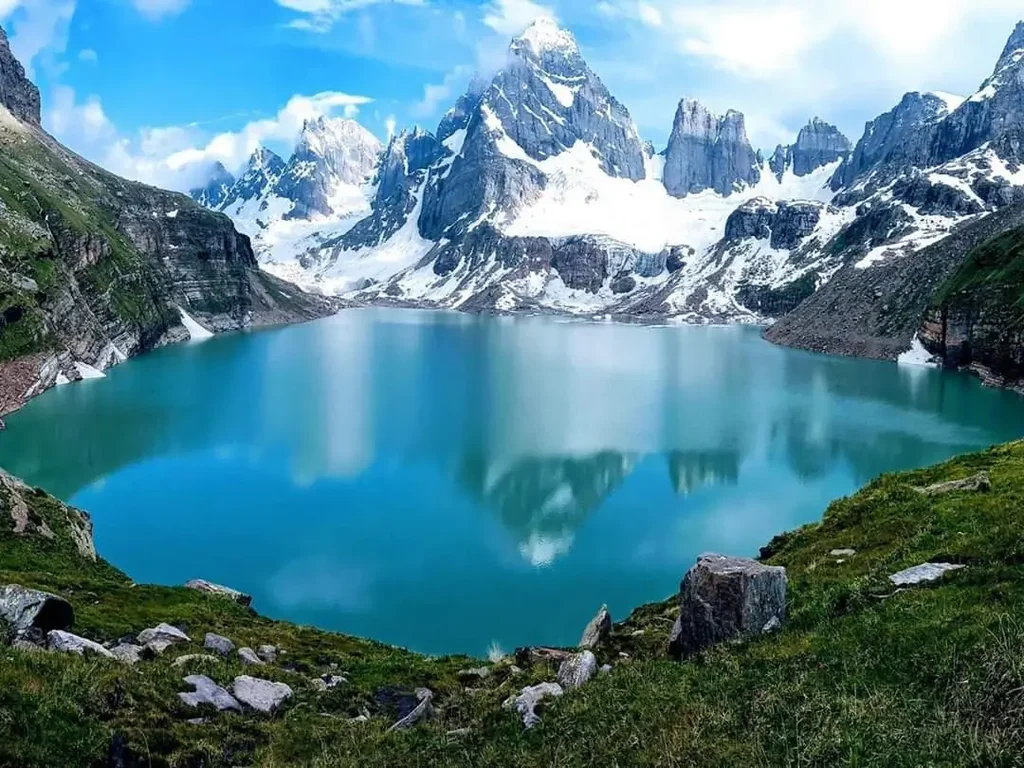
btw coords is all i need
(1014, 45)
(17, 92)
(545, 37)
(708, 152)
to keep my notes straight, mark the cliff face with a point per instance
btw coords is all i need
(94, 269)
(708, 152)
(977, 318)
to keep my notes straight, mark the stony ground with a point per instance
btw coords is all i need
(863, 673)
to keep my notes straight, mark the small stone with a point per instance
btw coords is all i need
(423, 711)
(577, 670)
(529, 699)
(358, 719)
(218, 643)
(128, 653)
(478, 673)
(638, 633)
(190, 658)
(31, 639)
(923, 574)
(27, 608)
(65, 642)
(261, 695)
(842, 553)
(318, 685)
(458, 733)
(155, 648)
(598, 630)
(333, 681)
(197, 721)
(249, 657)
(217, 590)
(606, 669)
(163, 633)
(268, 653)
(208, 692)
(514, 670)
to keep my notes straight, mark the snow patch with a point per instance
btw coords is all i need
(917, 355)
(86, 371)
(195, 331)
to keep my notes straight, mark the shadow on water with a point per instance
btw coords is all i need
(391, 473)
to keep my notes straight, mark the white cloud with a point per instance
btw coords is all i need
(179, 157)
(156, 9)
(439, 96)
(649, 15)
(89, 55)
(322, 15)
(38, 27)
(510, 17)
(390, 124)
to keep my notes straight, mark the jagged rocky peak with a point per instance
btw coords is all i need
(457, 118)
(261, 174)
(1014, 46)
(546, 41)
(897, 139)
(331, 153)
(17, 92)
(217, 189)
(818, 144)
(706, 151)
(408, 154)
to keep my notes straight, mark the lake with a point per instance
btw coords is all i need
(450, 482)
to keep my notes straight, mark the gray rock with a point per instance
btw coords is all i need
(128, 653)
(208, 692)
(784, 225)
(17, 93)
(31, 639)
(598, 630)
(842, 553)
(423, 711)
(577, 670)
(708, 152)
(163, 633)
(219, 591)
(267, 653)
(218, 643)
(65, 642)
(193, 658)
(478, 673)
(923, 574)
(978, 482)
(156, 647)
(818, 144)
(261, 695)
(727, 598)
(249, 657)
(530, 698)
(606, 669)
(318, 684)
(29, 608)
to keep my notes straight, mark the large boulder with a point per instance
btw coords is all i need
(218, 643)
(29, 608)
(577, 670)
(261, 695)
(65, 642)
(727, 598)
(218, 590)
(208, 692)
(163, 633)
(529, 699)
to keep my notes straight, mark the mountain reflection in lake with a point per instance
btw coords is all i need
(443, 481)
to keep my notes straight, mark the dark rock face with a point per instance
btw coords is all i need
(935, 198)
(783, 224)
(818, 144)
(262, 173)
(727, 598)
(876, 312)
(458, 117)
(974, 321)
(17, 92)
(708, 152)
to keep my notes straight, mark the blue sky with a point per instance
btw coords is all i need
(154, 89)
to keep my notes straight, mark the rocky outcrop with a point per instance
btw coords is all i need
(207, 692)
(784, 225)
(65, 642)
(17, 92)
(818, 144)
(64, 525)
(708, 152)
(218, 590)
(598, 630)
(727, 598)
(261, 695)
(530, 698)
(218, 643)
(577, 670)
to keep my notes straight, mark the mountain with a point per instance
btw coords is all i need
(537, 192)
(708, 152)
(94, 269)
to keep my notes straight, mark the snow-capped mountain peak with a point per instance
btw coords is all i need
(545, 37)
(349, 150)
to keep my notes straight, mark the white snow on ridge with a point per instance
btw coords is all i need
(86, 371)
(580, 198)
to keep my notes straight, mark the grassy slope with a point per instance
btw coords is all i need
(860, 676)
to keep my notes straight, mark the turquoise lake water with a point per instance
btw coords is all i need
(449, 482)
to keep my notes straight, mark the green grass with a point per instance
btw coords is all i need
(861, 675)
(995, 266)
